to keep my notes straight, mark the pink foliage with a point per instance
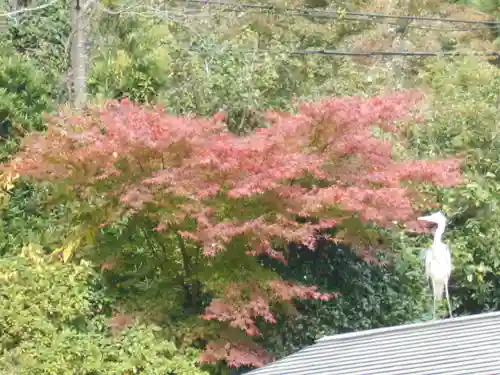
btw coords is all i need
(304, 164)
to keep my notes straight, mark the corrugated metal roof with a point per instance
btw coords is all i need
(467, 345)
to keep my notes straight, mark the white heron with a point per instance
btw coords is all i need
(438, 260)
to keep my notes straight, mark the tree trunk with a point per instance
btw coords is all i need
(79, 23)
(14, 5)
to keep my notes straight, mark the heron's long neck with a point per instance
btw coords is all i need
(438, 234)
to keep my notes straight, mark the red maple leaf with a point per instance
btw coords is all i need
(324, 165)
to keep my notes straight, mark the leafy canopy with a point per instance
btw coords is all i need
(225, 198)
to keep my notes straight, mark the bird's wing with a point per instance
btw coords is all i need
(441, 256)
(428, 261)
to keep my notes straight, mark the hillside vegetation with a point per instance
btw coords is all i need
(135, 241)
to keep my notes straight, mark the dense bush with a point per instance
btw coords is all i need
(371, 295)
(464, 119)
(25, 94)
(202, 75)
(53, 321)
(220, 61)
(208, 201)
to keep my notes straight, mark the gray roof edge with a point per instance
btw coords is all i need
(410, 326)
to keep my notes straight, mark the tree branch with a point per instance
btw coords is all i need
(26, 10)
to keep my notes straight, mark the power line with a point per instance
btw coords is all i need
(363, 20)
(332, 52)
(185, 14)
(338, 14)
(324, 52)
(327, 52)
(27, 10)
(343, 15)
(216, 48)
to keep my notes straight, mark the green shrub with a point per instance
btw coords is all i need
(25, 94)
(464, 119)
(53, 321)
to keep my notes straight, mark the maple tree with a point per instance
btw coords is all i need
(223, 199)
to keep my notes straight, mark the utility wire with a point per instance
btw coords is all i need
(212, 49)
(327, 52)
(27, 10)
(348, 19)
(332, 52)
(299, 11)
(324, 52)
(188, 14)
(338, 14)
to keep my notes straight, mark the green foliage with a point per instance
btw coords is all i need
(43, 37)
(491, 7)
(193, 68)
(33, 58)
(136, 66)
(464, 119)
(204, 64)
(370, 295)
(52, 321)
(25, 219)
(24, 97)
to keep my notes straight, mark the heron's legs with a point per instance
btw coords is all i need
(448, 298)
(434, 299)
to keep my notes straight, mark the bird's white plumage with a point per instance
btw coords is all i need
(428, 260)
(438, 267)
(438, 260)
